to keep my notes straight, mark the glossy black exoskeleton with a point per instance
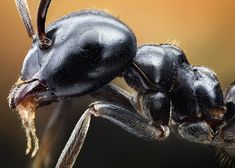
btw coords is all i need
(152, 75)
(84, 46)
(164, 79)
(83, 52)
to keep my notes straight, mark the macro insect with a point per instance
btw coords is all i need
(81, 53)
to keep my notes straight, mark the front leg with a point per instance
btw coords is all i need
(129, 121)
(119, 108)
(75, 142)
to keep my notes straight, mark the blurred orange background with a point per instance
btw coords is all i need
(204, 29)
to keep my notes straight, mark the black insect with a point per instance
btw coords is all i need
(82, 52)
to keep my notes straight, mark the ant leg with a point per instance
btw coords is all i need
(199, 132)
(130, 121)
(113, 93)
(75, 142)
(155, 107)
(50, 136)
(226, 136)
(228, 131)
(119, 108)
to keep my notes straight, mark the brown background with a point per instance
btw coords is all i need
(204, 29)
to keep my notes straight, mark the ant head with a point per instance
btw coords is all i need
(75, 55)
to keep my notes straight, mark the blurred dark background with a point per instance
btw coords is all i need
(203, 29)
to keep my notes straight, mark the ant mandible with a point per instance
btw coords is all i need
(81, 53)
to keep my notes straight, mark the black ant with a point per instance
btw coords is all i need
(81, 53)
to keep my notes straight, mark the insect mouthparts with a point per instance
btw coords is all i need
(26, 110)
